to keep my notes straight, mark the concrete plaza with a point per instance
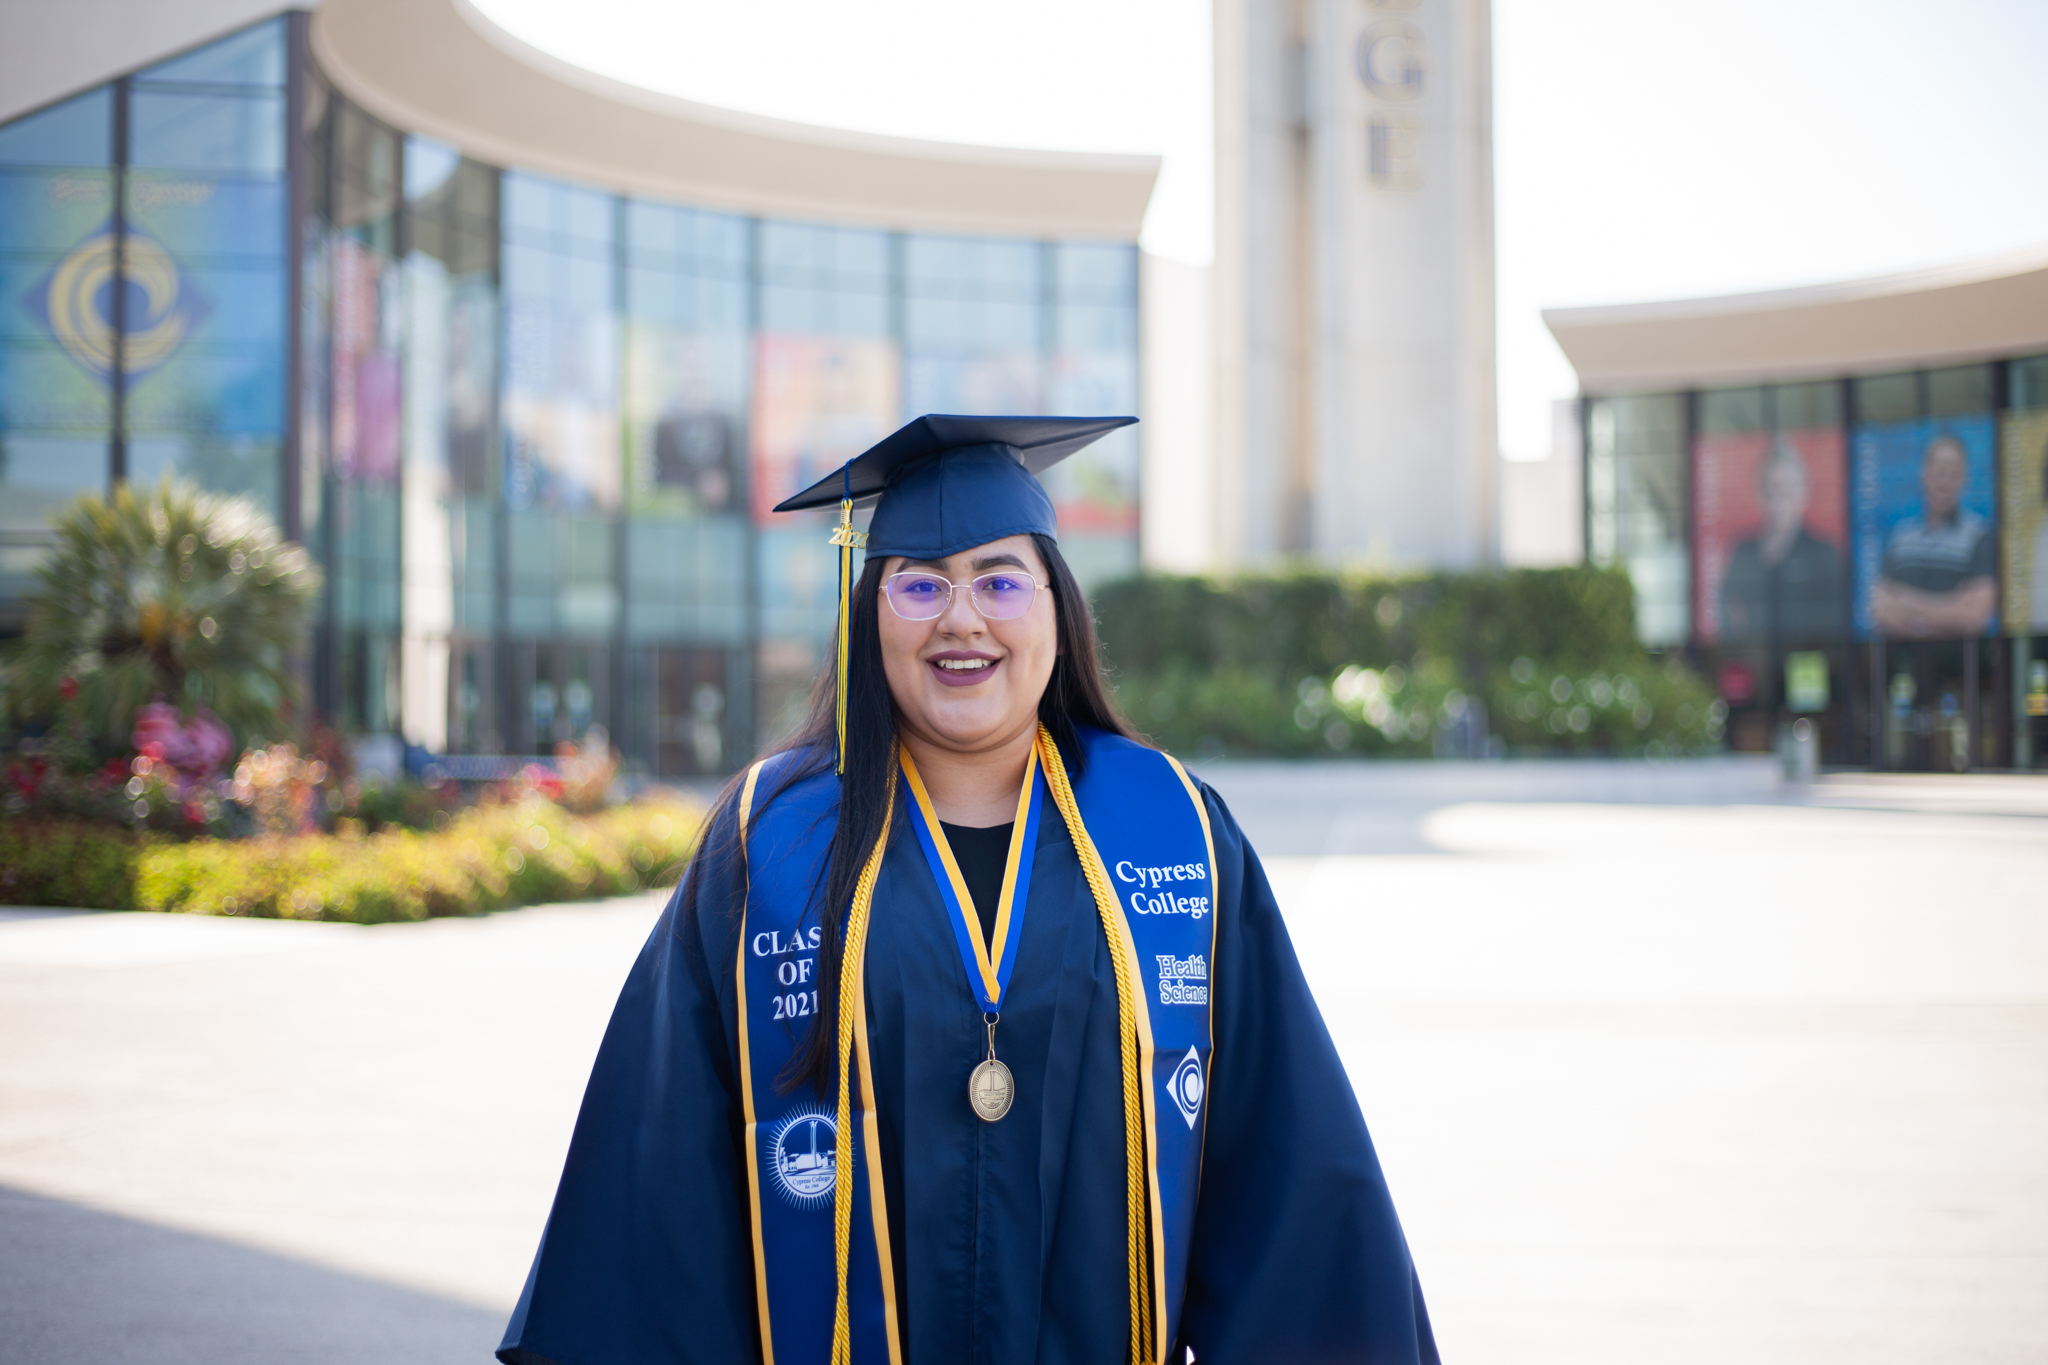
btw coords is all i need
(1665, 1063)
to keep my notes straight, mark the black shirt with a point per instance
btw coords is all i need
(1798, 600)
(982, 855)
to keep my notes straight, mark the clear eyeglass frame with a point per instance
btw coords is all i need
(980, 592)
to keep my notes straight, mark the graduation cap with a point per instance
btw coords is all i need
(944, 484)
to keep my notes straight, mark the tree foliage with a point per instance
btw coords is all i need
(171, 594)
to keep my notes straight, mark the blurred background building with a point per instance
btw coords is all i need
(523, 354)
(1834, 498)
(1354, 298)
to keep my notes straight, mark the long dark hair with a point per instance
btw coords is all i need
(1074, 695)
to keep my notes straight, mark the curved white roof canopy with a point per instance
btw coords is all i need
(1949, 316)
(439, 67)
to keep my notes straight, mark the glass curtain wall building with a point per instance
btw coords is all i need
(531, 428)
(1869, 553)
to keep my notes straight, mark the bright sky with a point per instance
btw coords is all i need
(1644, 148)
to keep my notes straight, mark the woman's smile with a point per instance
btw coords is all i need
(963, 668)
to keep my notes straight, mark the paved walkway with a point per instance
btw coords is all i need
(1665, 1064)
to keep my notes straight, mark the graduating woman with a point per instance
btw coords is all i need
(973, 1033)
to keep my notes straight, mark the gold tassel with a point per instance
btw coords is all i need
(848, 540)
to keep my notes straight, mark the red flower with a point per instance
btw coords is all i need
(68, 689)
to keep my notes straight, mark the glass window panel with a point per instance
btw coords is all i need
(1887, 397)
(1095, 273)
(561, 351)
(688, 352)
(1808, 405)
(366, 184)
(206, 323)
(429, 167)
(78, 132)
(476, 565)
(589, 216)
(39, 474)
(559, 576)
(529, 270)
(212, 131)
(56, 332)
(529, 206)
(827, 375)
(2029, 382)
(785, 309)
(825, 280)
(811, 256)
(366, 589)
(366, 514)
(974, 327)
(453, 207)
(1093, 369)
(224, 463)
(1963, 389)
(589, 282)
(1636, 496)
(1731, 410)
(255, 56)
(687, 580)
(207, 207)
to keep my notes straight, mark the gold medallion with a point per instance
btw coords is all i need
(990, 1090)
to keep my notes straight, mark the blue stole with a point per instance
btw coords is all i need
(1138, 821)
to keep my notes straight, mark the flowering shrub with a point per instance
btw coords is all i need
(279, 788)
(190, 751)
(485, 858)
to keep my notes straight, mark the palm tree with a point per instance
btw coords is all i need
(171, 594)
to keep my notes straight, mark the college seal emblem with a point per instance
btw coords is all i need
(804, 1158)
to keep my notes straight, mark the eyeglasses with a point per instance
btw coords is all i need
(1002, 596)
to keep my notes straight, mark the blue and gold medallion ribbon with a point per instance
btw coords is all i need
(988, 964)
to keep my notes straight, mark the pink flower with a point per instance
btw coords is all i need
(193, 749)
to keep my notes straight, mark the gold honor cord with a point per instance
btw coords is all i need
(850, 978)
(1143, 1349)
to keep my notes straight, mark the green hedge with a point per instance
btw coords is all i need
(1540, 660)
(486, 858)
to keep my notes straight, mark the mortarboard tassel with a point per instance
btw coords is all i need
(848, 540)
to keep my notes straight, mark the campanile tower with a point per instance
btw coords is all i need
(1354, 283)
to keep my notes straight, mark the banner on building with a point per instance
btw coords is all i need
(2026, 522)
(1770, 534)
(818, 402)
(1926, 529)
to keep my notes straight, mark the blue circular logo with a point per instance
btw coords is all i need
(805, 1158)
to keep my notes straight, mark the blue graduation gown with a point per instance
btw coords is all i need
(1009, 1236)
